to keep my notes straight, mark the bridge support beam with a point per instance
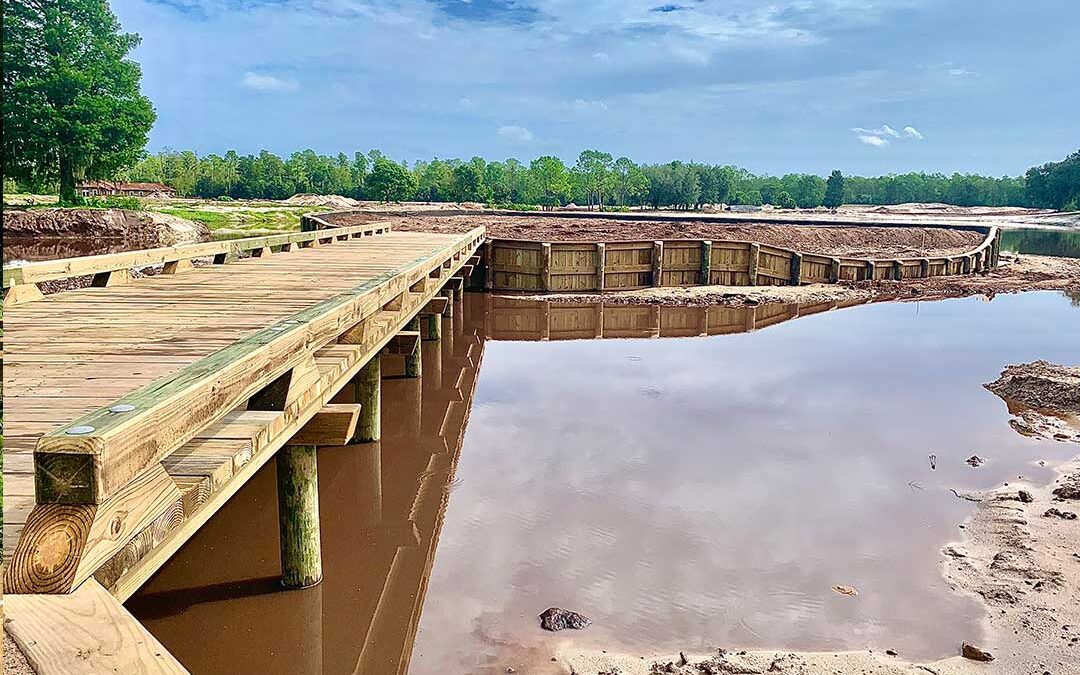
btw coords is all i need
(298, 514)
(368, 388)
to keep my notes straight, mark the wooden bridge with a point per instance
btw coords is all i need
(136, 407)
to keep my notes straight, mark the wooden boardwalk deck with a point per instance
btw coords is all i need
(134, 411)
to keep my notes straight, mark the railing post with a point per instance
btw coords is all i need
(298, 514)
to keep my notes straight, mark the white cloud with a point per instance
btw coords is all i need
(268, 82)
(602, 57)
(465, 102)
(515, 133)
(883, 130)
(581, 105)
(912, 132)
(960, 72)
(876, 141)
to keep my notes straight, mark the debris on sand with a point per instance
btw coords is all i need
(974, 653)
(1068, 491)
(845, 590)
(1025, 496)
(975, 460)
(1064, 515)
(556, 618)
(330, 201)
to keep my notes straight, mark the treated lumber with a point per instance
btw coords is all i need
(796, 269)
(436, 305)
(755, 262)
(368, 388)
(335, 424)
(110, 279)
(433, 330)
(298, 515)
(658, 263)
(20, 294)
(403, 342)
(49, 270)
(63, 545)
(177, 266)
(706, 263)
(168, 412)
(87, 631)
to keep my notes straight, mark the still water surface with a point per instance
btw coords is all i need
(686, 493)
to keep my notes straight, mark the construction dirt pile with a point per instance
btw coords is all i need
(873, 242)
(329, 201)
(135, 229)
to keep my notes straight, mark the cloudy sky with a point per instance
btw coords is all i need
(867, 86)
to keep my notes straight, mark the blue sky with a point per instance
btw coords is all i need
(867, 86)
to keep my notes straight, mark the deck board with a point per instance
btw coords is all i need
(80, 350)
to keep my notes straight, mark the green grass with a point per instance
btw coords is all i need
(228, 222)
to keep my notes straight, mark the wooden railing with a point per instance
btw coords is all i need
(21, 279)
(515, 265)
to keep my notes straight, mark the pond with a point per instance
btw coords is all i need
(1059, 242)
(684, 492)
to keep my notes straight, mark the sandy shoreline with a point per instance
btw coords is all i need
(1016, 554)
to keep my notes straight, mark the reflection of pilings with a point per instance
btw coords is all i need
(412, 402)
(368, 458)
(432, 377)
(310, 642)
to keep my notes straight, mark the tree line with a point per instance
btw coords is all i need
(596, 179)
(73, 110)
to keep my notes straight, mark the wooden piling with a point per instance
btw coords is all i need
(658, 263)
(796, 269)
(898, 270)
(601, 255)
(434, 327)
(413, 362)
(298, 514)
(489, 263)
(706, 263)
(924, 267)
(834, 270)
(368, 387)
(545, 266)
(755, 259)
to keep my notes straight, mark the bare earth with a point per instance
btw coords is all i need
(862, 241)
(1018, 553)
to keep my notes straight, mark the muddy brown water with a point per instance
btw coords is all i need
(685, 493)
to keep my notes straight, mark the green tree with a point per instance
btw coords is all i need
(834, 190)
(469, 182)
(390, 181)
(784, 200)
(592, 174)
(549, 181)
(72, 105)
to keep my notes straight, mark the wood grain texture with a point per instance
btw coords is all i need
(84, 632)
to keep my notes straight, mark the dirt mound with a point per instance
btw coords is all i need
(137, 229)
(865, 241)
(1040, 384)
(330, 201)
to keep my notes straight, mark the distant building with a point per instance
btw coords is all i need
(105, 188)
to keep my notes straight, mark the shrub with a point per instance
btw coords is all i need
(225, 198)
(784, 200)
(113, 202)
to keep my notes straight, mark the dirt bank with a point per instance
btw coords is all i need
(859, 242)
(1016, 273)
(105, 230)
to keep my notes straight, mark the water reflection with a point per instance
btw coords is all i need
(685, 493)
(1059, 242)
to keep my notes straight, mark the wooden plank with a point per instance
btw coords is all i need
(168, 412)
(63, 545)
(87, 631)
(335, 424)
(436, 305)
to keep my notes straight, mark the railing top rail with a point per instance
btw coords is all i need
(65, 268)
